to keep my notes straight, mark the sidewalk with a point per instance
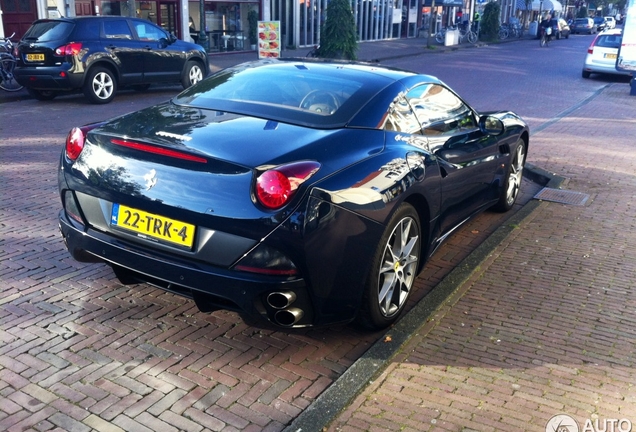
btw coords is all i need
(540, 321)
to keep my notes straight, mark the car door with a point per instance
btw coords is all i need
(163, 61)
(467, 156)
(121, 45)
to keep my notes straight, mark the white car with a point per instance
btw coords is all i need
(610, 22)
(602, 54)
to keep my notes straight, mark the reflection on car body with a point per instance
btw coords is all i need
(313, 203)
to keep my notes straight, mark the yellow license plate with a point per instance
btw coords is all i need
(152, 227)
(611, 56)
(35, 57)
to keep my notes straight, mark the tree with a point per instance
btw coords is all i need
(338, 37)
(489, 26)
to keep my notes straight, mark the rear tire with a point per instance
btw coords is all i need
(394, 269)
(42, 95)
(585, 74)
(100, 85)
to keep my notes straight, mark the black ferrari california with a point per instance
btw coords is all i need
(304, 192)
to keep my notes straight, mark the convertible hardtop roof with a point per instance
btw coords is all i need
(275, 89)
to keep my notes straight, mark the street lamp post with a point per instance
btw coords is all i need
(203, 36)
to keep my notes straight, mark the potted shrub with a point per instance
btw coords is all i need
(252, 34)
(338, 38)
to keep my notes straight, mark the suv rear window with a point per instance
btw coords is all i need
(46, 31)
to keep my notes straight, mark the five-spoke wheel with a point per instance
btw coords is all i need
(394, 269)
(512, 183)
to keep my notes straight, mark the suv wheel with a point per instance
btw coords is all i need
(100, 85)
(192, 74)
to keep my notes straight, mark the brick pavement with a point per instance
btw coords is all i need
(546, 324)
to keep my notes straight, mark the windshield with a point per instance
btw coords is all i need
(310, 94)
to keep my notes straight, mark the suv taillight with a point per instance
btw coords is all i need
(69, 49)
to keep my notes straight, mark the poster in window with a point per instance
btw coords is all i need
(268, 39)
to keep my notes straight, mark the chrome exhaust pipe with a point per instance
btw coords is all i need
(288, 317)
(281, 300)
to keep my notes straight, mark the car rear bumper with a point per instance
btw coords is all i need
(48, 78)
(604, 69)
(211, 288)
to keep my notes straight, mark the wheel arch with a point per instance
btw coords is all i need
(201, 63)
(105, 64)
(423, 210)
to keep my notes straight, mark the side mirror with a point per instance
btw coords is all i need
(491, 125)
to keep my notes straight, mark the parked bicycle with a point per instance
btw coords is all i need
(510, 30)
(314, 51)
(7, 66)
(464, 34)
(503, 32)
(467, 34)
(440, 36)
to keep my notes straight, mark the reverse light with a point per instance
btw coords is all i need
(267, 261)
(76, 139)
(69, 49)
(275, 187)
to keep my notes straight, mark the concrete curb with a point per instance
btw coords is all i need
(372, 363)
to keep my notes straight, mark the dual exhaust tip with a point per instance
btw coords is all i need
(285, 315)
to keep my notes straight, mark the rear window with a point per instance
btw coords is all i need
(297, 93)
(609, 41)
(581, 21)
(46, 31)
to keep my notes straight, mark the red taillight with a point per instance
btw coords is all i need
(275, 187)
(590, 49)
(75, 143)
(159, 150)
(76, 139)
(69, 49)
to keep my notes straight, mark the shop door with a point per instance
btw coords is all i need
(83, 8)
(168, 18)
(17, 16)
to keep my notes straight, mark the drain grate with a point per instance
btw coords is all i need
(562, 196)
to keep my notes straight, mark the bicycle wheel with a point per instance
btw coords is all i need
(503, 33)
(8, 82)
(472, 37)
(543, 41)
(440, 37)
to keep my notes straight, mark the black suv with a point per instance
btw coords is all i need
(100, 54)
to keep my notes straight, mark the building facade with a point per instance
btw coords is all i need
(225, 22)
